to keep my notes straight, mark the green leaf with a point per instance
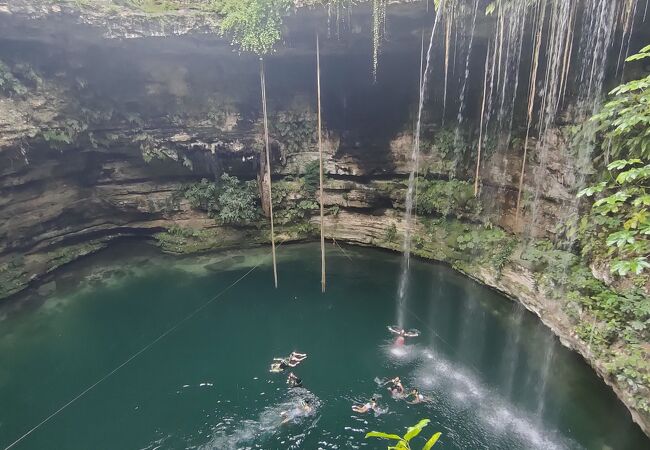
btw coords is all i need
(416, 429)
(380, 435)
(591, 190)
(620, 238)
(622, 163)
(431, 442)
(400, 446)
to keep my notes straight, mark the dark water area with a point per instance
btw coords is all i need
(497, 378)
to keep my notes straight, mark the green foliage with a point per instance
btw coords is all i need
(295, 132)
(154, 6)
(237, 200)
(618, 226)
(9, 84)
(625, 119)
(153, 149)
(621, 216)
(204, 196)
(254, 25)
(391, 233)
(291, 203)
(311, 179)
(67, 134)
(446, 198)
(487, 245)
(404, 442)
(230, 201)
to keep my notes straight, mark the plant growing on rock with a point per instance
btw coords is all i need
(619, 222)
(253, 25)
(237, 200)
(446, 198)
(311, 177)
(391, 233)
(9, 84)
(230, 201)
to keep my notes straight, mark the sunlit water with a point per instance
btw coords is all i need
(206, 385)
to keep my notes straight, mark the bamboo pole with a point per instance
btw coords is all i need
(480, 136)
(320, 157)
(268, 168)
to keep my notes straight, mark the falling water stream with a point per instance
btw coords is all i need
(402, 291)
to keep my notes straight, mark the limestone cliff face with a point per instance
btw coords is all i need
(113, 115)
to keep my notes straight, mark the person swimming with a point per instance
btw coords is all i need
(292, 360)
(417, 397)
(370, 405)
(293, 381)
(396, 388)
(402, 334)
(303, 409)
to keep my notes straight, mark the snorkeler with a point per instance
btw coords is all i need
(402, 334)
(362, 409)
(292, 360)
(417, 397)
(293, 381)
(396, 388)
(303, 409)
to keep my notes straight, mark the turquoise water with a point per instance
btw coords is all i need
(206, 383)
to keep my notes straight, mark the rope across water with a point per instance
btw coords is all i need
(135, 355)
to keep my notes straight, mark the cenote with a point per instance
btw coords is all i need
(442, 204)
(206, 384)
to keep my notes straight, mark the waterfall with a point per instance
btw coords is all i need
(510, 358)
(549, 353)
(463, 91)
(410, 194)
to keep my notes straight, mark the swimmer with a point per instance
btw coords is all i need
(291, 361)
(362, 409)
(397, 388)
(304, 408)
(299, 357)
(402, 334)
(417, 397)
(293, 381)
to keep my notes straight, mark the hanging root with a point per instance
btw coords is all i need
(480, 136)
(531, 102)
(268, 168)
(320, 158)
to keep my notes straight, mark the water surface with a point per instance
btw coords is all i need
(498, 379)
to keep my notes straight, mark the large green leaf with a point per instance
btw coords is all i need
(416, 429)
(400, 446)
(431, 442)
(379, 434)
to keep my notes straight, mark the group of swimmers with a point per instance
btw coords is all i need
(396, 388)
(280, 365)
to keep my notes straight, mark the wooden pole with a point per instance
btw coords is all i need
(268, 168)
(320, 156)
